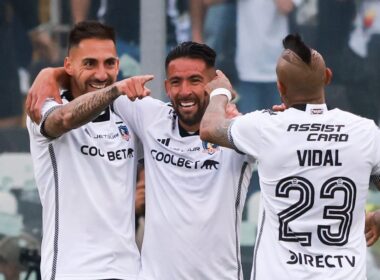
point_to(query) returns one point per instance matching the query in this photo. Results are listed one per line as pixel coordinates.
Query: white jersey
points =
(195, 193)
(314, 167)
(86, 182)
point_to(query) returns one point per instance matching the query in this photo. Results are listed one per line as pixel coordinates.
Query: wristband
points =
(221, 91)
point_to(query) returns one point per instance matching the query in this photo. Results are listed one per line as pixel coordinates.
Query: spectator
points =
(261, 24)
(214, 22)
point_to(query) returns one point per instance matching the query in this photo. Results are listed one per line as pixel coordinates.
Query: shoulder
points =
(349, 117)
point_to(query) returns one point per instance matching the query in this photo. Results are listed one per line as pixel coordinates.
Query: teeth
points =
(98, 86)
(187, 104)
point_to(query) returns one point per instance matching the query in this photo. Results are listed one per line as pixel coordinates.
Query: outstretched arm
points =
(215, 122)
(86, 107)
(372, 227)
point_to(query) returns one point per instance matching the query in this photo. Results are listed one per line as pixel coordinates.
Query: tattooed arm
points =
(86, 107)
(217, 118)
(215, 124)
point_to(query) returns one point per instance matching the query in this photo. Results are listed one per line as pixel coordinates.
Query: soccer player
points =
(314, 166)
(195, 190)
(84, 158)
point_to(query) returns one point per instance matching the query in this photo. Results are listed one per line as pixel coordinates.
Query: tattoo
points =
(90, 107)
(217, 124)
(221, 133)
(80, 111)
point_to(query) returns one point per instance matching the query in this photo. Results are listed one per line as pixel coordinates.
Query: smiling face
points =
(92, 65)
(185, 86)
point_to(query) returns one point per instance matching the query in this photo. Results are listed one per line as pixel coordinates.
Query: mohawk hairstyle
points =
(294, 43)
(192, 50)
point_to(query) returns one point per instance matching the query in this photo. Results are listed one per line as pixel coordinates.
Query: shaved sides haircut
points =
(300, 68)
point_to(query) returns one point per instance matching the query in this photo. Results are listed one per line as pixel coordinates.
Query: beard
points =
(190, 118)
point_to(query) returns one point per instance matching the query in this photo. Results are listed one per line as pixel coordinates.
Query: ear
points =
(68, 66)
(328, 76)
(167, 88)
(117, 66)
(281, 88)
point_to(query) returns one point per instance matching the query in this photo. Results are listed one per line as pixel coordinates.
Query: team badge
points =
(210, 148)
(124, 132)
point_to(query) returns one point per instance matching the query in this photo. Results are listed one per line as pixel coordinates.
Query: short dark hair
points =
(192, 50)
(88, 30)
(294, 43)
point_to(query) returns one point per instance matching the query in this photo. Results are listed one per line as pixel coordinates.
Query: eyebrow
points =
(182, 78)
(91, 59)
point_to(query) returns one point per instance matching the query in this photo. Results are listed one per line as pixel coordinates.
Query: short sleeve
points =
(138, 114)
(376, 167)
(244, 134)
(38, 129)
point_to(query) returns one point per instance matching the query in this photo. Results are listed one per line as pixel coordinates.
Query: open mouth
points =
(187, 104)
(98, 85)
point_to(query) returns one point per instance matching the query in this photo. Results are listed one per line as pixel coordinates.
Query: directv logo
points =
(164, 141)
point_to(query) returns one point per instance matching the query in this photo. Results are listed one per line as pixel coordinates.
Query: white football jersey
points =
(195, 193)
(314, 166)
(86, 182)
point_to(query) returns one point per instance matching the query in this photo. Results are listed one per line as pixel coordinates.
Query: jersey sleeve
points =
(376, 154)
(137, 113)
(244, 134)
(37, 130)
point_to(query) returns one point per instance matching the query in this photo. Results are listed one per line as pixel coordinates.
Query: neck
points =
(320, 99)
(189, 128)
(74, 90)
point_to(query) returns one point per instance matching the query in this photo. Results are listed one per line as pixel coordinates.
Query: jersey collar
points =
(312, 109)
(185, 133)
(103, 117)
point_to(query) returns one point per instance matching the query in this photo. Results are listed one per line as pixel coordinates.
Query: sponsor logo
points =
(321, 261)
(179, 161)
(210, 164)
(317, 111)
(164, 141)
(110, 155)
(108, 136)
(269, 111)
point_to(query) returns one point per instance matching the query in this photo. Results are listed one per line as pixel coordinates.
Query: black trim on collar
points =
(184, 133)
(105, 116)
(302, 107)
(68, 95)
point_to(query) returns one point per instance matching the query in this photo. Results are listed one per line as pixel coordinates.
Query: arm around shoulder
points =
(214, 125)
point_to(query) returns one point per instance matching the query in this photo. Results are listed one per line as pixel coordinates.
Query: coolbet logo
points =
(110, 155)
(175, 160)
(209, 147)
(124, 132)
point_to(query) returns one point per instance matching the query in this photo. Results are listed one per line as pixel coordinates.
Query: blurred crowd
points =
(246, 35)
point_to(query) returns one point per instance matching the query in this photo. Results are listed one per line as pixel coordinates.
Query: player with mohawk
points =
(314, 166)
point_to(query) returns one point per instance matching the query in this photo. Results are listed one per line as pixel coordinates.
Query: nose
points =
(101, 73)
(186, 88)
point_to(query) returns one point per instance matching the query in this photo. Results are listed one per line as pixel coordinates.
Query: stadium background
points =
(33, 36)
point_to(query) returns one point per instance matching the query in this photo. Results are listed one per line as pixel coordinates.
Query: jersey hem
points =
(96, 276)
